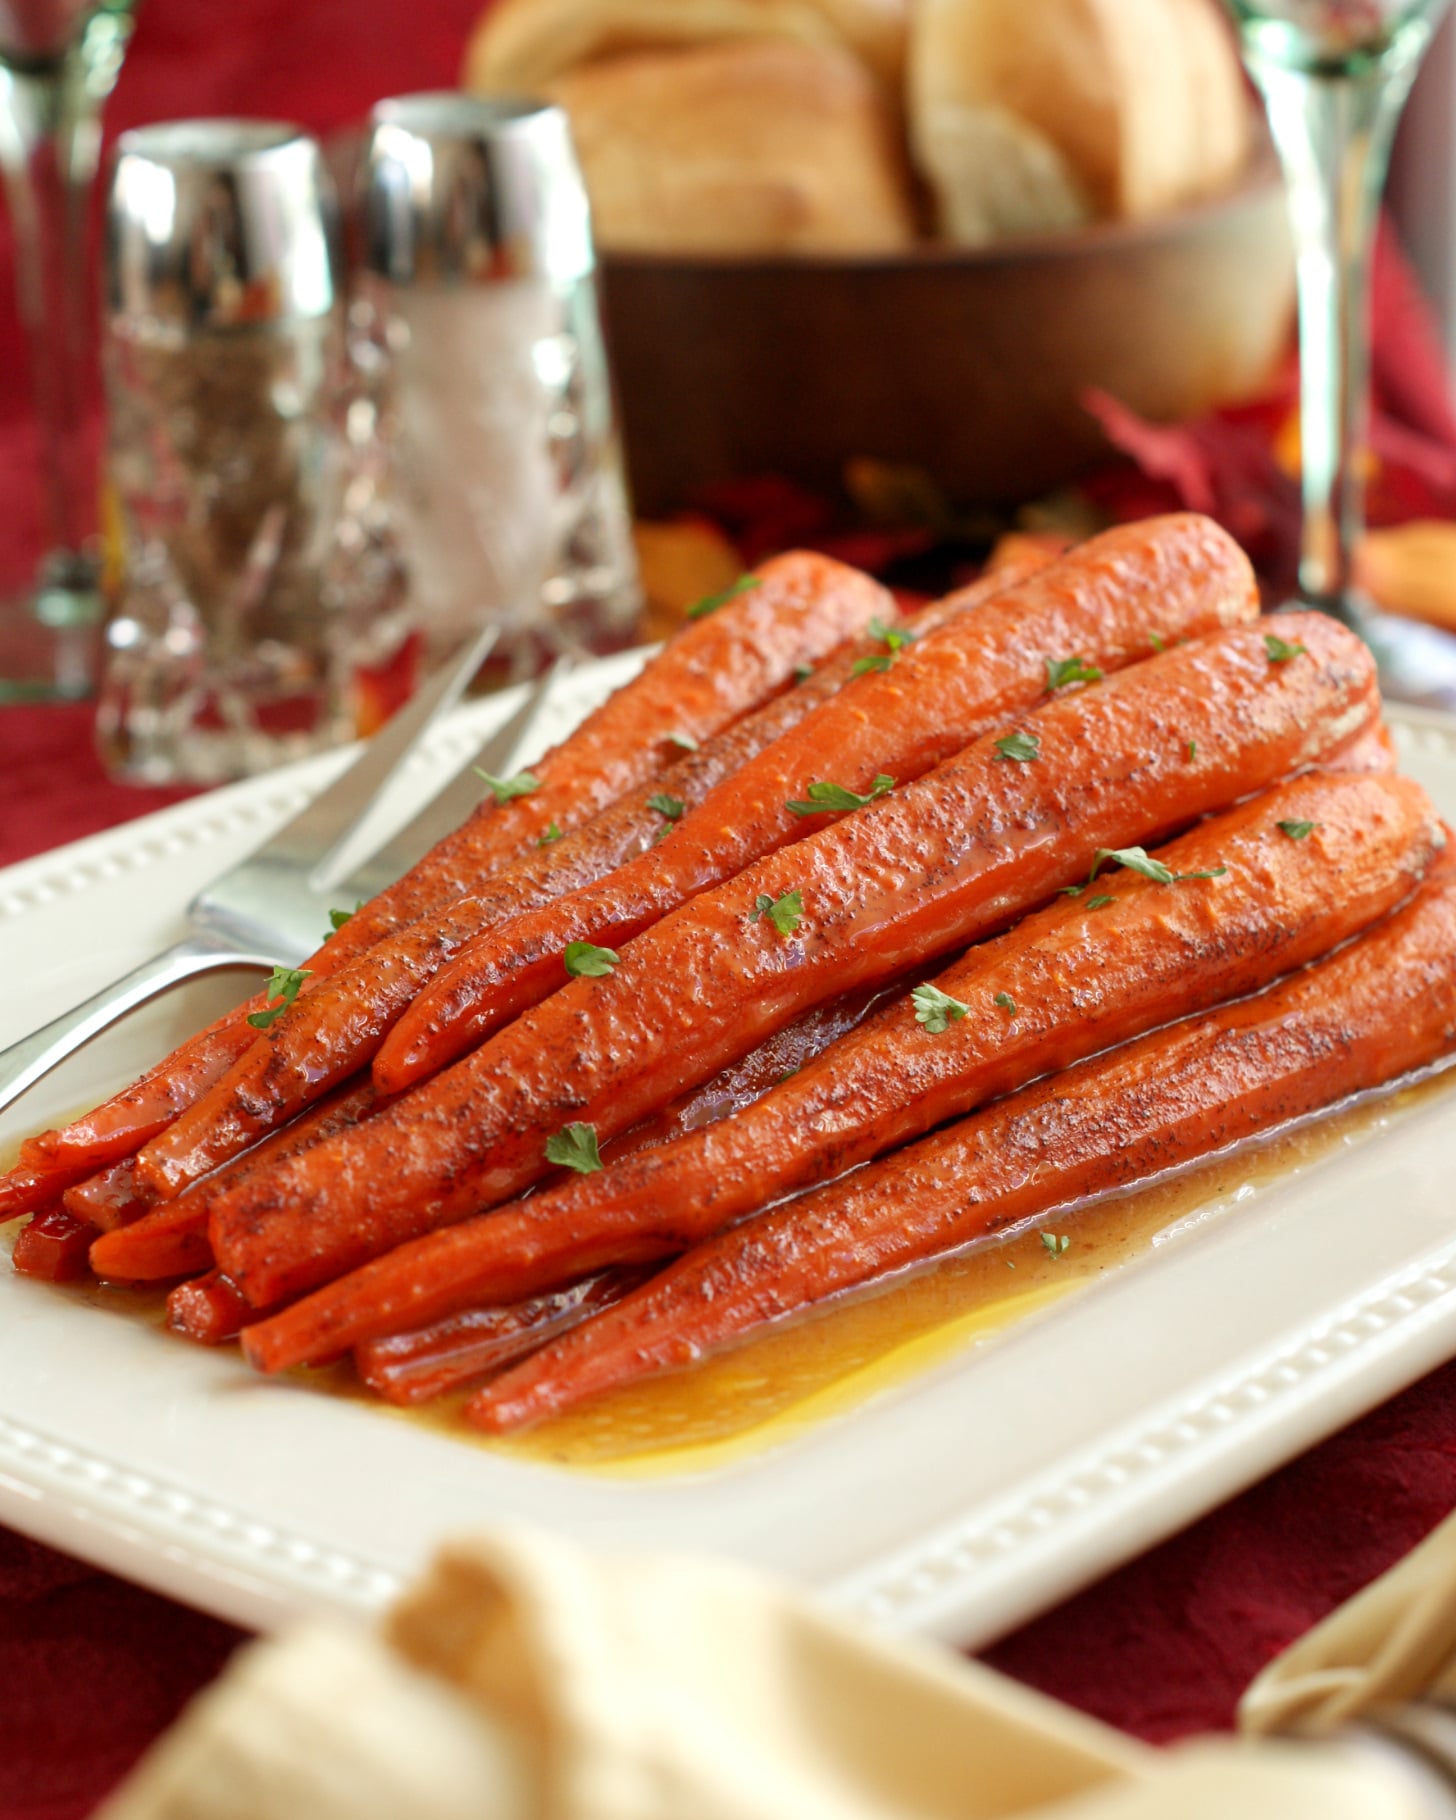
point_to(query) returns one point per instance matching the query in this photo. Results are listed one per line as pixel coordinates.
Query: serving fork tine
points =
(271, 909)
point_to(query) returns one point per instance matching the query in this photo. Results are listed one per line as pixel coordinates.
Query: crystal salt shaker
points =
(478, 293)
(225, 366)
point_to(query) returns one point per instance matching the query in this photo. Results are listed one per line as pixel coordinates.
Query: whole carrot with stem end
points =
(719, 666)
(1102, 607)
(1183, 573)
(337, 1028)
(1077, 977)
(1381, 1007)
(916, 705)
(171, 1240)
(918, 874)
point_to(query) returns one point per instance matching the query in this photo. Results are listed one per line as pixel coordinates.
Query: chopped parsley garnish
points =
(785, 913)
(683, 741)
(1063, 671)
(710, 603)
(507, 789)
(1023, 747)
(284, 984)
(553, 832)
(584, 960)
(1157, 641)
(1136, 860)
(1192, 750)
(824, 797)
(1005, 1002)
(575, 1147)
(802, 672)
(671, 809)
(936, 1009)
(1279, 651)
(337, 918)
(1055, 1243)
(1297, 830)
(893, 638)
(1097, 903)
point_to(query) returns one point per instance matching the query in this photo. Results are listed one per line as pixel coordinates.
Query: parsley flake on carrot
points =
(575, 1147)
(825, 797)
(1279, 651)
(284, 985)
(785, 913)
(935, 1009)
(1062, 672)
(584, 960)
(507, 789)
(710, 603)
(1023, 747)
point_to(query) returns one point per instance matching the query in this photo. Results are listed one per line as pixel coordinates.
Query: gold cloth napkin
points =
(524, 1679)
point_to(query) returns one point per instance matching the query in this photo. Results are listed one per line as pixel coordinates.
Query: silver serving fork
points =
(271, 909)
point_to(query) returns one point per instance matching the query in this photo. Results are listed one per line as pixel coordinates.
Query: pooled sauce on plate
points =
(789, 1378)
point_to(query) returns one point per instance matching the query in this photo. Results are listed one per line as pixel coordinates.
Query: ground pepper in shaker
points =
(505, 488)
(228, 646)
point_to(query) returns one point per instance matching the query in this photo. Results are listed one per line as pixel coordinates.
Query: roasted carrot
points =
(712, 671)
(207, 1310)
(336, 1029)
(109, 1199)
(1127, 953)
(1384, 1005)
(171, 1240)
(413, 1368)
(1166, 580)
(53, 1247)
(915, 875)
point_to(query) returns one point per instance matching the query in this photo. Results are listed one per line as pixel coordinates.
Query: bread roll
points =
(1029, 115)
(745, 147)
(519, 44)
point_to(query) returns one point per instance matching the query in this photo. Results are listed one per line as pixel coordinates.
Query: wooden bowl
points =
(969, 363)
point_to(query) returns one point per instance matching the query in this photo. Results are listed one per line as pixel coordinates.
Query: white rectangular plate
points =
(957, 1504)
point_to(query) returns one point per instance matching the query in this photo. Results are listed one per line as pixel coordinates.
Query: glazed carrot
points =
(53, 1247)
(336, 1029)
(207, 1310)
(1167, 579)
(1382, 1006)
(919, 873)
(1076, 977)
(110, 1199)
(413, 1368)
(171, 1240)
(709, 673)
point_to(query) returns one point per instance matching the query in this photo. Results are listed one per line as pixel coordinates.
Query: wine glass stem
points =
(1333, 133)
(36, 134)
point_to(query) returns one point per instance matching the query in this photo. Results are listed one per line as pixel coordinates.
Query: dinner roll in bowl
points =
(1026, 118)
(520, 44)
(749, 147)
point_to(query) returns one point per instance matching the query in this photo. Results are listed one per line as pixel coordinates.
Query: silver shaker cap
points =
(220, 224)
(460, 190)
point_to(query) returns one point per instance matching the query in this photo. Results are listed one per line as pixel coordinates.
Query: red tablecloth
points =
(91, 1669)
